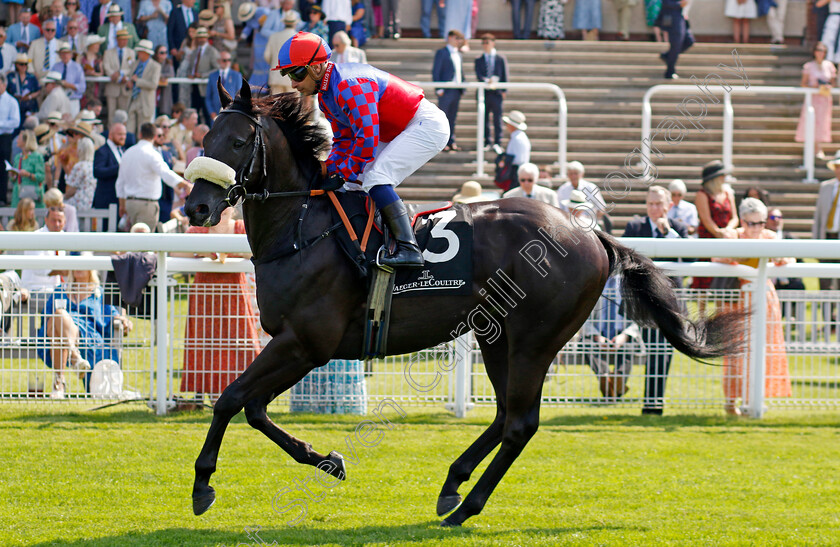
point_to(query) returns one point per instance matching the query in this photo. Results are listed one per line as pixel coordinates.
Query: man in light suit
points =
(231, 80)
(528, 174)
(659, 352)
(117, 65)
(201, 62)
(826, 222)
(344, 52)
(23, 33)
(492, 68)
(277, 82)
(447, 67)
(145, 75)
(8, 52)
(74, 38)
(115, 24)
(43, 52)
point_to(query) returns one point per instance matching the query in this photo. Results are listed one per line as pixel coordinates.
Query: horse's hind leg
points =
(301, 451)
(522, 419)
(496, 365)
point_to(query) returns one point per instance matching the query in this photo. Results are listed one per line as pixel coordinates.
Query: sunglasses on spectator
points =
(754, 224)
(49, 30)
(224, 60)
(776, 217)
(71, 4)
(526, 180)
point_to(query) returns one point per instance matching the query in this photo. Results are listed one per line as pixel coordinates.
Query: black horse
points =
(312, 300)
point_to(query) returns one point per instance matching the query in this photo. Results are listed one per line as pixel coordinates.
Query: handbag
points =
(505, 171)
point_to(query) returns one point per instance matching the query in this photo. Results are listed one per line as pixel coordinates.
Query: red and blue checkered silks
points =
(364, 105)
(302, 49)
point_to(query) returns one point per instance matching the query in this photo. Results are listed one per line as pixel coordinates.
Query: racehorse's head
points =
(256, 146)
(231, 159)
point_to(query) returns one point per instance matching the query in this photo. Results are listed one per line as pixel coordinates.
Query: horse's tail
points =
(650, 300)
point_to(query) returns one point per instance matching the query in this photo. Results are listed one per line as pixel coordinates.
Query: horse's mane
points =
(305, 137)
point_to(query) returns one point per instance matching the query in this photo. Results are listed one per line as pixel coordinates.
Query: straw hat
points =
(21, 58)
(94, 39)
(123, 33)
(714, 169)
(89, 118)
(247, 11)
(42, 133)
(577, 200)
(51, 77)
(516, 119)
(207, 17)
(146, 46)
(291, 17)
(54, 117)
(470, 193)
(82, 128)
(64, 46)
(115, 9)
(201, 32)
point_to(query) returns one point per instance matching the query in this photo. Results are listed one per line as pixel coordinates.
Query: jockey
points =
(383, 130)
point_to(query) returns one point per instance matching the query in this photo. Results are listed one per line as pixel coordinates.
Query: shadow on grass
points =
(306, 535)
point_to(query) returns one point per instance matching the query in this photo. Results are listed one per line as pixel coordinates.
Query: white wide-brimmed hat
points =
(146, 46)
(516, 119)
(577, 200)
(470, 193)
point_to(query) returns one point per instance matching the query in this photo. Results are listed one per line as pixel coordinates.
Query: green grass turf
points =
(122, 476)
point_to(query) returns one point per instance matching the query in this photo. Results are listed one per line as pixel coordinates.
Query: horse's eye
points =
(238, 143)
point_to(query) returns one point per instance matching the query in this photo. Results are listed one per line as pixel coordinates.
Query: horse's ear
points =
(245, 91)
(224, 96)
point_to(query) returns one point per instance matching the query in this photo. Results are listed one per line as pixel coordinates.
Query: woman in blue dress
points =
(77, 328)
(23, 86)
(155, 14)
(587, 18)
(357, 29)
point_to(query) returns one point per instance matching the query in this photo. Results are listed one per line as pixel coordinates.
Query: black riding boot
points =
(408, 254)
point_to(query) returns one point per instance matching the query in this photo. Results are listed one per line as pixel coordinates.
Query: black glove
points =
(333, 181)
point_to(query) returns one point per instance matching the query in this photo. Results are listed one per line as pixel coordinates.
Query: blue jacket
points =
(443, 69)
(14, 34)
(105, 170)
(232, 84)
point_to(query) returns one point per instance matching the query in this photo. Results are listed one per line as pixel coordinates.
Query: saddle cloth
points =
(444, 233)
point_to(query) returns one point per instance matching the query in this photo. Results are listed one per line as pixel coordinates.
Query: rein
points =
(248, 172)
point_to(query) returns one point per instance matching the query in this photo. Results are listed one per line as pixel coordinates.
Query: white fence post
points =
(758, 343)
(810, 138)
(479, 134)
(463, 369)
(728, 130)
(162, 335)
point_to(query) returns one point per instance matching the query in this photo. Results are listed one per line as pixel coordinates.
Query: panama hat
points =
(201, 32)
(89, 117)
(146, 46)
(577, 200)
(82, 128)
(714, 169)
(115, 9)
(64, 46)
(123, 33)
(207, 17)
(470, 193)
(247, 11)
(93, 39)
(54, 117)
(21, 58)
(51, 77)
(834, 161)
(516, 119)
(290, 18)
(42, 133)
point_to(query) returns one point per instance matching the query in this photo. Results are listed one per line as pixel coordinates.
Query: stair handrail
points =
(729, 116)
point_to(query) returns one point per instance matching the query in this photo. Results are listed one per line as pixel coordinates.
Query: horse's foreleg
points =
(301, 451)
(277, 368)
(496, 365)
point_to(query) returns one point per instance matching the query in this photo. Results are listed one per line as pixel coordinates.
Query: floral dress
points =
(157, 26)
(552, 17)
(82, 179)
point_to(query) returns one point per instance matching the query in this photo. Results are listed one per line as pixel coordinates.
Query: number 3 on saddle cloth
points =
(444, 233)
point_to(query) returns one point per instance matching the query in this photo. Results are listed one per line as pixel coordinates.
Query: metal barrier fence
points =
(153, 355)
(90, 220)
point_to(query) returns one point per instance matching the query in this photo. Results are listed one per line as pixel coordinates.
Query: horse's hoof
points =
(338, 471)
(446, 504)
(203, 501)
(447, 524)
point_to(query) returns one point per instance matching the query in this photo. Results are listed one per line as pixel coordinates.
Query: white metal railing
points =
(562, 112)
(163, 244)
(176, 80)
(729, 116)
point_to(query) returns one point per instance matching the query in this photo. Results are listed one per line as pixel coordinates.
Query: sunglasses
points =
(776, 217)
(754, 224)
(49, 30)
(296, 74)
(526, 180)
(224, 60)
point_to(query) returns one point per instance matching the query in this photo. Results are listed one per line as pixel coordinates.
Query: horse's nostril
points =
(202, 210)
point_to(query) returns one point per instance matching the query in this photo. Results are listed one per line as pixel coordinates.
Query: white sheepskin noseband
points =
(210, 170)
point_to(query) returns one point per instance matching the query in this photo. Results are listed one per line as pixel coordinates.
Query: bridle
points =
(254, 168)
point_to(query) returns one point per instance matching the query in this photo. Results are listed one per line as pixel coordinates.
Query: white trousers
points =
(424, 136)
(776, 21)
(829, 37)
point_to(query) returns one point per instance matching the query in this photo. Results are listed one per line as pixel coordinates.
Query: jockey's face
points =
(309, 85)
